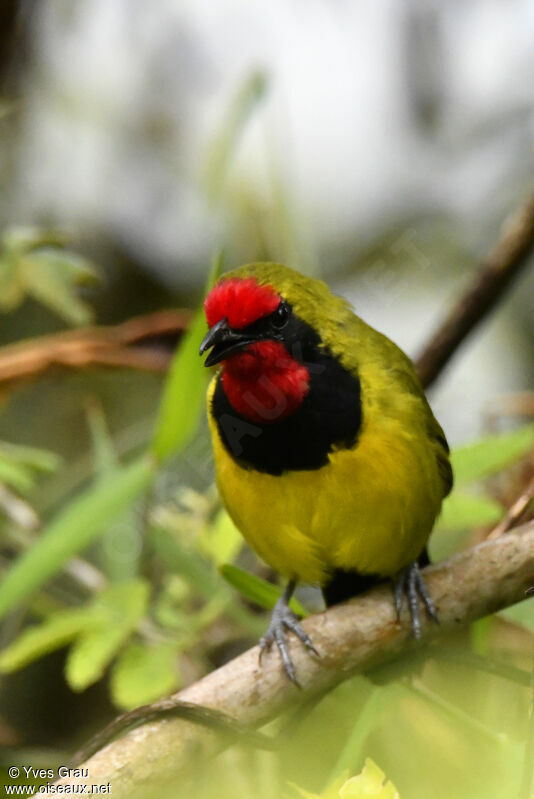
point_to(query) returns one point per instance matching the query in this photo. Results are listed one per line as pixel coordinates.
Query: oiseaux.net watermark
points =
(80, 785)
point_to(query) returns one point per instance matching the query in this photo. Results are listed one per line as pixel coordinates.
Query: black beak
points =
(224, 342)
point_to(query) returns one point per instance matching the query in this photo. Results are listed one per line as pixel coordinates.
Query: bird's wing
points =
(406, 376)
(437, 436)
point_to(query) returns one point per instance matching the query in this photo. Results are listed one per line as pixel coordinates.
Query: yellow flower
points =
(367, 785)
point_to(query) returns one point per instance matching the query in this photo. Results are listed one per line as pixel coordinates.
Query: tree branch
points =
(514, 514)
(496, 274)
(143, 342)
(354, 636)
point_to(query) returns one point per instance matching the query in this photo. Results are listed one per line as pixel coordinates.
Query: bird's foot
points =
(282, 619)
(409, 582)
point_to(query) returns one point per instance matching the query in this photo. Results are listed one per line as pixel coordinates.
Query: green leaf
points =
(41, 460)
(120, 548)
(18, 464)
(170, 609)
(52, 276)
(11, 288)
(121, 608)
(75, 527)
(98, 630)
(144, 674)
(57, 631)
(104, 455)
(257, 590)
(25, 238)
(221, 540)
(15, 475)
(32, 261)
(490, 454)
(91, 653)
(183, 394)
(463, 511)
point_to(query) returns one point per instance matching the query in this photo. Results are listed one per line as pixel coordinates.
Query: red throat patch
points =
(242, 302)
(264, 383)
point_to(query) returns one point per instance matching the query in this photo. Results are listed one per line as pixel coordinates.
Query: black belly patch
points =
(343, 585)
(329, 417)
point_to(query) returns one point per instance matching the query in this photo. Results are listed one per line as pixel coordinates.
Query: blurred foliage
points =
(147, 587)
(20, 466)
(34, 262)
(463, 511)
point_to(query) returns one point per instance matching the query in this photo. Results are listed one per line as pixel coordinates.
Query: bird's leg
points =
(409, 582)
(282, 619)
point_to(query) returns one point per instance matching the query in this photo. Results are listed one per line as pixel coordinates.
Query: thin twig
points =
(170, 707)
(514, 514)
(497, 271)
(351, 637)
(144, 342)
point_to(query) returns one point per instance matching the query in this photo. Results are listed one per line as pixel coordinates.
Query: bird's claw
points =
(409, 582)
(283, 619)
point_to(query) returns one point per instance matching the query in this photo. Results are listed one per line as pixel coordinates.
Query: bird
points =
(328, 457)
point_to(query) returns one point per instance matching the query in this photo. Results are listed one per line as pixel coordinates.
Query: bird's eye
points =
(280, 317)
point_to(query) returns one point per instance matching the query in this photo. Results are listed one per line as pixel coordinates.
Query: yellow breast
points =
(370, 508)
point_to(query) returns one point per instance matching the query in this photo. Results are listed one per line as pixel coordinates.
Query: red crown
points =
(242, 302)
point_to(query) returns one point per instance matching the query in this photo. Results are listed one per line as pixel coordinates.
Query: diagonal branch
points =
(502, 265)
(515, 513)
(354, 636)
